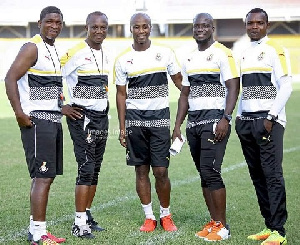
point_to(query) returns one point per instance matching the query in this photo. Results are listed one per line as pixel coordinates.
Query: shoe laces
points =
(148, 221)
(217, 226)
(208, 225)
(274, 236)
(264, 231)
(92, 221)
(168, 220)
(47, 240)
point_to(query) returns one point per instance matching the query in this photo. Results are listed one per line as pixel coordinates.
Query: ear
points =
(86, 28)
(39, 24)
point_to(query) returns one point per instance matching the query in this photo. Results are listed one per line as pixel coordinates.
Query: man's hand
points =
(24, 120)
(71, 112)
(221, 129)
(176, 133)
(122, 138)
(268, 125)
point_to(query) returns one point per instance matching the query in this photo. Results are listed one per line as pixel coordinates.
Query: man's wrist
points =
(271, 118)
(228, 117)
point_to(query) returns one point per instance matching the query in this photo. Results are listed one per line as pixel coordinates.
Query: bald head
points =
(137, 16)
(204, 16)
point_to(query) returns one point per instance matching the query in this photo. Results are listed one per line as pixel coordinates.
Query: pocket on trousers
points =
(260, 133)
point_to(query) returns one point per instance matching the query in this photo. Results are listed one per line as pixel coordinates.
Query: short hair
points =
(146, 16)
(94, 13)
(258, 10)
(206, 14)
(50, 10)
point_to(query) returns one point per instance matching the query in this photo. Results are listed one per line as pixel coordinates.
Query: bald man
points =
(144, 117)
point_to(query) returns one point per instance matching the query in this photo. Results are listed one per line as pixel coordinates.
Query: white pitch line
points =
(130, 196)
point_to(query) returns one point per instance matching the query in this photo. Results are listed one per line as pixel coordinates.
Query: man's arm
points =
(121, 107)
(177, 79)
(181, 111)
(25, 59)
(233, 88)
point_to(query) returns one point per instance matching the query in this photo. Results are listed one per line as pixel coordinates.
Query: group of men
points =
(209, 80)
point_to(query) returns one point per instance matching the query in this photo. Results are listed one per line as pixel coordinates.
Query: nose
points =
(55, 25)
(141, 30)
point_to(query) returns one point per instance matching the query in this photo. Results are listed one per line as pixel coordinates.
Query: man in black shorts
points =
(143, 69)
(85, 67)
(34, 88)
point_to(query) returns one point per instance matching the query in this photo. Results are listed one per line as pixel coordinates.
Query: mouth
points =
(53, 32)
(201, 35)
(254, 33)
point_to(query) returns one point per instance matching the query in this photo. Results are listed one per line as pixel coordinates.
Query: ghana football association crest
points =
(127, 156)
(89, 139)
(158, 57)
(261, 56)
(43, 168)
(209, 58)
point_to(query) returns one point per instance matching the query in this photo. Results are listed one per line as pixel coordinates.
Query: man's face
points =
(256, 26)
(140, 29)
(97, 28)
(51, 26)
(202, 29)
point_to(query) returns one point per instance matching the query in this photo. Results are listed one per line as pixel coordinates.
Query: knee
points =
(211, 179)
(160, 173)
(85, 176)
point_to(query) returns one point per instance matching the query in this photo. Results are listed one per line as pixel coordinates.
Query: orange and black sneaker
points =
(262, 235)
(205, 230)
(218, 233)
(167, 223)
(149, 225)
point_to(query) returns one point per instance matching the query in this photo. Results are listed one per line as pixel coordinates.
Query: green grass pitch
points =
(116, 205)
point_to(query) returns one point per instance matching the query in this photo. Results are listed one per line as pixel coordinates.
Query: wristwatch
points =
(227, 117)
(271, 118)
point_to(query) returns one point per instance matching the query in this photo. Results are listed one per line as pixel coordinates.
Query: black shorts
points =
(89, 136)
(148, 146)
(43, 146)
(207, 154)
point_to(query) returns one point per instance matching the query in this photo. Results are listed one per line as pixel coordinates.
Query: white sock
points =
(31, 226)
(39, 229)
(164, 211)
(80, 218)
(148, 211)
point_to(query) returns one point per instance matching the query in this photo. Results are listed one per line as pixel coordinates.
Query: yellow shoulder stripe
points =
(281, 54)
(36, 39)
(121, 54)
(231, 60)
(69, 54)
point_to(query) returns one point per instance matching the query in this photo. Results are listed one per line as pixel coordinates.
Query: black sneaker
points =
(92, 223)
(83, 231)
